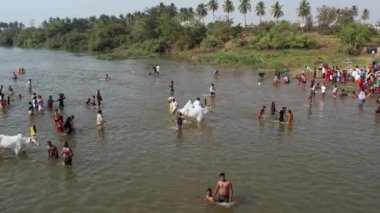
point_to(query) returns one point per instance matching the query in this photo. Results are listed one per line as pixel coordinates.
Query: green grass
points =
(268, 59)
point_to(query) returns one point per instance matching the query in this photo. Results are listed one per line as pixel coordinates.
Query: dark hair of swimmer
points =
(100, 111)
(66, 144)
(72, 117)
(222, 175)
(209, 190)
(49, 143)
(198, 99)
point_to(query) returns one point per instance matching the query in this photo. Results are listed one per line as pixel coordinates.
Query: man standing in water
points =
(282, 114)
(223, 191)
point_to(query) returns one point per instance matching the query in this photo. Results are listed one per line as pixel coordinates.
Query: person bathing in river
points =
(335, 91)
(30, 108)
(29, 84)
(67, 154)
(88, 102)
(99, 119)
(273, 109)
(180, 118)
(208, 197)
(52, 151)
(59, 123)
(290, 117)
(212, 90)
(99, 98)
(282, 115)
(323, 90)
(224, 190)
(61, 101)
(14, 76)
(93, 102)
(68, 127)
(10, 90)
(171, 88)
(261, 113)
(107, 77)
(50, 102)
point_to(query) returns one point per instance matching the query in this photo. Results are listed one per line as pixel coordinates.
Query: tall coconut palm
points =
(365, 15)
(213, 5)
(202, 11)
(245, 7)
(277, 10)
(304, 10)
(355, 10)
(260, 9)
(228, 8)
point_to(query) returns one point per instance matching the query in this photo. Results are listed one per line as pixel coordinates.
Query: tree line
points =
(164, 28)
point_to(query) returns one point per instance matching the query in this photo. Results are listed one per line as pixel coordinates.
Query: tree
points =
(355, 10)
(228, 8)
(202, 11)
(326, 18)
(365, 15)
(303, 10)
(213, 6)
(260, 9)
(277, 10)
(352, 36)
(245, 7)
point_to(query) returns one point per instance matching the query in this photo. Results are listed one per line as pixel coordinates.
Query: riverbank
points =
(233, 54)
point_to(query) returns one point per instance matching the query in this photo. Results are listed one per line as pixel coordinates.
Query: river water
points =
(328, 161)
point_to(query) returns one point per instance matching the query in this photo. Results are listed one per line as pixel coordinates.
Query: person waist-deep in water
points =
(224, 190)
(67, 154)
(52, 150)
(69, 125)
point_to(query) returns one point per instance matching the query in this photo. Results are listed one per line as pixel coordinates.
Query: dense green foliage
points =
(353, 36)
(283, 35)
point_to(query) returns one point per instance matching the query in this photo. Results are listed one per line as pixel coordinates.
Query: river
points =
(328, 161)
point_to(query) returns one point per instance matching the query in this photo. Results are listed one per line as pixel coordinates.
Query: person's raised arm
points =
(216, 190)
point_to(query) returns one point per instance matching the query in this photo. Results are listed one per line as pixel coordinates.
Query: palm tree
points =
(365, 15)
(213, 6)
(260, 9)
(277, 10)
(304, 10)
(355, 10)
(245, 7)
(228, 7)
(202, 11)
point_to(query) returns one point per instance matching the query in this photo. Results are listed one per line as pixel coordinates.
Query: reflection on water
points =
(327, 160)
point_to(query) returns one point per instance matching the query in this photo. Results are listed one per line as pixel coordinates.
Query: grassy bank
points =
(234, 55)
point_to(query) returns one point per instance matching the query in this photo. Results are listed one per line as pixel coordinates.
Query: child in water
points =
(209, 198)
(179, 119)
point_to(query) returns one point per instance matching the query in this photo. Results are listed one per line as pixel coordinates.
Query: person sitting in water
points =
(209, 198)
(93, 102)
(286, 79)
(282, 114)
(224, 191)
(107, 77)
(68, 127)
(88, 102)
(19, 96)
(212, 90)
(50, 102)
(157, 70)
(52, 150)
(261, 112)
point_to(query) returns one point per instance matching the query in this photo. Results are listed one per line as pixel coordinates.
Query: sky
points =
(36, 11)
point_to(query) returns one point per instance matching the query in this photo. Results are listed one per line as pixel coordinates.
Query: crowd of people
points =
(36, 107)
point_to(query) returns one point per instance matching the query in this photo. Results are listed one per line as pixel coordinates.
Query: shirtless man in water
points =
(224, 191)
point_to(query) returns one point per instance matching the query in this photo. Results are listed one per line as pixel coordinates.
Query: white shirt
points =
(323, 89)
(158, 68)
(99, 119)
(361, 95)
(212, 89)
(197, 103)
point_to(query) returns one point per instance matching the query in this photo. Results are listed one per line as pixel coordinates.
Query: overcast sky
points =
(40, 10)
